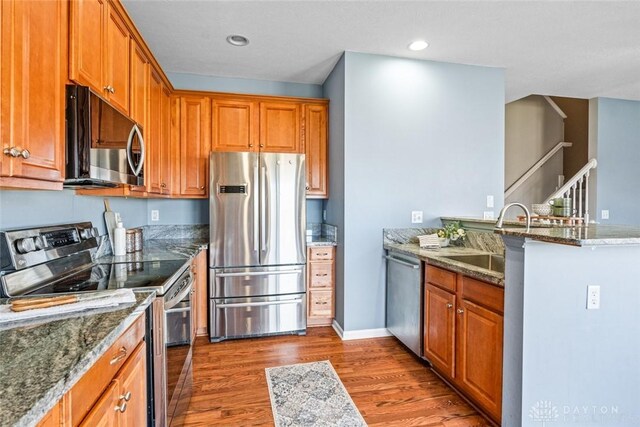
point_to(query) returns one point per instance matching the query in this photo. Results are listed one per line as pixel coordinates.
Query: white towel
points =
(121, 296)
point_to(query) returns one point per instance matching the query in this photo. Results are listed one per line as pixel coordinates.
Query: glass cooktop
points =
(146, 274)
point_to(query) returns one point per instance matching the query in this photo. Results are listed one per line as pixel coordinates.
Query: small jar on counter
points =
(138, 239)
(130, 241)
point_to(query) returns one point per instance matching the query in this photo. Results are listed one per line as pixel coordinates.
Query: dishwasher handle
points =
(405, 263)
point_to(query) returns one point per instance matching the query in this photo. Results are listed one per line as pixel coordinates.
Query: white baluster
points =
(586, 198)
(580, 197)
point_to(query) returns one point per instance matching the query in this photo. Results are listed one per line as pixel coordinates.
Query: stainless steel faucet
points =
(503, 211)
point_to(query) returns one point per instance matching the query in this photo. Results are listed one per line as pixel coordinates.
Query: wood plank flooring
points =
(388, 384)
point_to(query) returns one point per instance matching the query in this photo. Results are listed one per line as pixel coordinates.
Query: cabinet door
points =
(166, 152)
(104, 413)
(320, 303)
(439, 329)
(234, 126)
(34, 73)
(139, 85)
(86, 42)
(153, 169)
(479, 355)
(133, 389)
(315, 142)
(194, 145)
(280, 127)
(116, 60)
(202, 291)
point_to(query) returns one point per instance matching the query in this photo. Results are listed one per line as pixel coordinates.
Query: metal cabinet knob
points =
(460, 311)
(13, 152)
(25, 154)
(449, 305)
(250, 145)
(202, 187)
(261, 145)
(126, 396)
(110, 89)
(122, 407)
(163, 185)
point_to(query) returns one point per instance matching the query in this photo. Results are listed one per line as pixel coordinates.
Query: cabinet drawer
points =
(440, 277)
(484, 294)
(90, 387)
(320, 303)
(321, 253)
(320, 274)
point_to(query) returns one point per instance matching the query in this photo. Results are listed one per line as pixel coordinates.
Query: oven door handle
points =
(260, 273)
(168, 305)
(178, 310)
(259, 304)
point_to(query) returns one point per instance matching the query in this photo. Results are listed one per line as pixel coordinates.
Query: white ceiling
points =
(566, 48)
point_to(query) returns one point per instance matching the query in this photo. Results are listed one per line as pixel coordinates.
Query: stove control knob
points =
(40, 242)
(88, 233)
(25, 245)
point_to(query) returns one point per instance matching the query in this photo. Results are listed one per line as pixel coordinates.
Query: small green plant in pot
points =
(451, 232)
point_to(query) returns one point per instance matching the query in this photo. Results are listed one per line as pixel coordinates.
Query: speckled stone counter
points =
(591, 235)
(161, 250)
(39, 363)
(436, 257)
(320, 241)
(322, 234)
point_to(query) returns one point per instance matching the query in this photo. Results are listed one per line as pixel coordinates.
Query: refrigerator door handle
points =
(256, 212)
(263, 216)
(260, 273)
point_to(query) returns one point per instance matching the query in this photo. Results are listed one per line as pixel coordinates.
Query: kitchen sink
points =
(488, 261)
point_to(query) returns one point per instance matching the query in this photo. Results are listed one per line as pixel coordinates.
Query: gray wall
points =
(532, 128)
(418, 135)
(616, 146)
(573, 357)
(233, 85)
(334, 89)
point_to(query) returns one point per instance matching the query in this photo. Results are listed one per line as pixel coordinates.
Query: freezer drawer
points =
(246, 317)
(257, 281)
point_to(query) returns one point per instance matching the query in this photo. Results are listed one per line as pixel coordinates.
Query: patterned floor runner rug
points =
(310, 394)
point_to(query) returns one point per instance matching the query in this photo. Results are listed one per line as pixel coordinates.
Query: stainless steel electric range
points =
(57, 260)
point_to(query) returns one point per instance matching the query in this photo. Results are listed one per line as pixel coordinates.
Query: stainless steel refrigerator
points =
(257, 251)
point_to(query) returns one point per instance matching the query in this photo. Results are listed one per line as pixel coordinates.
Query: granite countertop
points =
(591, 235)
(160, 250)
(40, 362)
(321, 241)
(436, 257)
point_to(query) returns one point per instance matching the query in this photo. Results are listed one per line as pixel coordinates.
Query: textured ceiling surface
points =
(579, 49)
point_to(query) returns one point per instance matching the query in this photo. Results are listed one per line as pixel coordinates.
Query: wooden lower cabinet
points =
(463, 335)
(114, 390)
(201, 268)
(320, 285)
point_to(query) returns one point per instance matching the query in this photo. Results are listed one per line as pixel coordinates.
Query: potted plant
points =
(451, 232)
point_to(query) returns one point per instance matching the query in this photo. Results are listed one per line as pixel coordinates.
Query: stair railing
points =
(578, 189)
(513, 187)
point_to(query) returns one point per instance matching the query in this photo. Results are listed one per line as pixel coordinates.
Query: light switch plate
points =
(489, 201)
(416, 217)
(155, 215)
(604, 214)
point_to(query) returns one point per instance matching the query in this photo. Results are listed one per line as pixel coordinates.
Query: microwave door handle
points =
(135, 130)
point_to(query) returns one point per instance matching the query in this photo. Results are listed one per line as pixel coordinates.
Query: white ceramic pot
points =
(443, 242)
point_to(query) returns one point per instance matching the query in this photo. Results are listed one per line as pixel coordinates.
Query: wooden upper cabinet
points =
(33, 74)
(166, 146)
(280, 130)
(139, 85)
(153, 169)
(100, 50)
(116, 61)
(234, 125)
(315, 130)
(439, 328)
(479, 355)
(195, 144)
(86, 32)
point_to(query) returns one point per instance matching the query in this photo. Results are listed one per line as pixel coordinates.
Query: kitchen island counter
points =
(40, 362)
(591, 235)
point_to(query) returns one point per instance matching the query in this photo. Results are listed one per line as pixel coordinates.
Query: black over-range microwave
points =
(105, 148)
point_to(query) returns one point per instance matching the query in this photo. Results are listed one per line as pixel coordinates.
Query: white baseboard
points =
(360, 334)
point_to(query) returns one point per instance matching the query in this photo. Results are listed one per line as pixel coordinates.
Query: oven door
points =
(178, 340)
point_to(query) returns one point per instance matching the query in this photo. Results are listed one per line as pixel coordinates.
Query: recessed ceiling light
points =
(237, 40)
(418, 45)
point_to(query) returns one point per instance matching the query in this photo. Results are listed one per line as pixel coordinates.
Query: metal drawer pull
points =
(259, 304)
(122, 407)
(460, 311)
(259, 273)
(321, 275)
(126, 396)
(122, 354)
(408, 264)
(449, 305)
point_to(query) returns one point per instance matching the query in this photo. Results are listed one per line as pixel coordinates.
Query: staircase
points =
(578, 189)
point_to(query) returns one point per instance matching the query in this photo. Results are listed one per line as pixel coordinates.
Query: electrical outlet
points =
(604, 214)
(593, 297)
(487, 215)
(416, 217)
(489, 201)
(155, 215)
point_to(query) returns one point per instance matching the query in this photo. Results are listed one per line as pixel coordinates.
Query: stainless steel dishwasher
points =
(404, 299)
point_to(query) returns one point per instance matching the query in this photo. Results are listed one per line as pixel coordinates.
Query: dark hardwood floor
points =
(389, 385)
